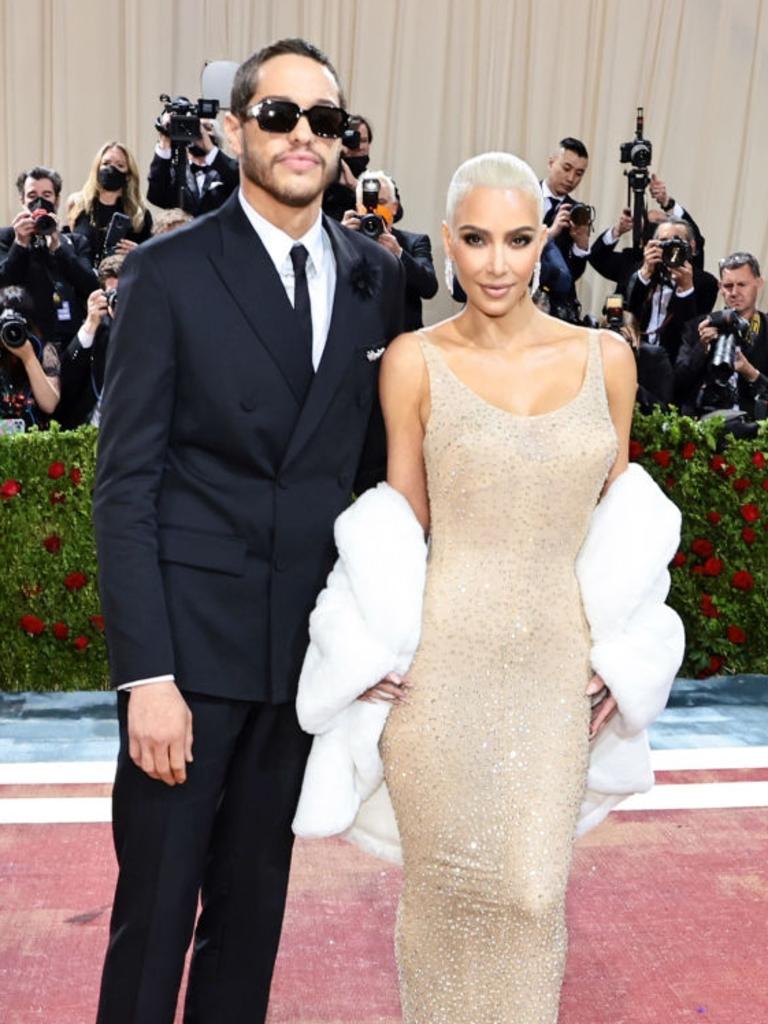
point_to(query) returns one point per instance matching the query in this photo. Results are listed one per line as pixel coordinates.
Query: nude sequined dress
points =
(486, 765)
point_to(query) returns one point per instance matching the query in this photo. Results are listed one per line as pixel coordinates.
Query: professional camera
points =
(13, 328)
(637, 153)
(111, 297)
(371, 224)
(183, 125)
(43, 215)
(675, 252)
(731, 329)
(351, 138)
(582, 214)
(613, 311)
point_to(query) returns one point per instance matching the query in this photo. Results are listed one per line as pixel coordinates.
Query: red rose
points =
(729, 470)
(670, 482)
(10, 489)
(736, 635)
(60, 630)
(688, 450)
(712, 567)
(75, 581)
(31, 625)
(635, 449)
(742, 580)
(662, 457)
(52, 543)
(715, 662)
(708, 608)
(714, 517)
(97, 621)
(56, 470)
(80, 643)
(678, 560)
(702, 547)
(758, 459)
(697, 570)
(748, 535)
(57, 498)
(716, 463)
(750, 513)
(742, 484)
(75, 475)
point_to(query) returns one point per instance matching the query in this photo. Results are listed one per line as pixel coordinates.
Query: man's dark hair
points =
(683, 226)
(355, 120)
(739, 259)
(246, 77)
(39, 174)
(574, 146)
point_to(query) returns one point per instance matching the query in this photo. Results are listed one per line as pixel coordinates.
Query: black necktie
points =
(552, 211)
(302, 308)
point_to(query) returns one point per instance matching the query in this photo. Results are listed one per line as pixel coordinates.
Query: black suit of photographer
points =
(641, 298)
(82, 378)
(206, 187)
(58, 282)
(693, 359)
(576, 264)
(420, 276)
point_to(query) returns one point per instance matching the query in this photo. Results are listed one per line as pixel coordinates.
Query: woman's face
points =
(114, 157)
(495, 241)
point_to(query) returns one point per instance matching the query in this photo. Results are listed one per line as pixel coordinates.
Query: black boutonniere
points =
(364, 278)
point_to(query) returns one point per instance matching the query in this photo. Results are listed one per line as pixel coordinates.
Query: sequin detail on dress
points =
(486, 764)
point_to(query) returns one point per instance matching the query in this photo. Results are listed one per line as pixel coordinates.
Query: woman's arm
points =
(404, 392)
(620, 372)
(45, 386)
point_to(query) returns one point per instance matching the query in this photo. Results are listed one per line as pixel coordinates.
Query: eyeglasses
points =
(283, 116)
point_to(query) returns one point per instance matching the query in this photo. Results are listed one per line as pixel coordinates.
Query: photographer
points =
(52, 266)
(83, 361)
(743, 383)
(667, 290)
(378, 206)
(655, 377)
(29, 368)
(211, 176)
(619, 266)
(110, 210)
(355, 155)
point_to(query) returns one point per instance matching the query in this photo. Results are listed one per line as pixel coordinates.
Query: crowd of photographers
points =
(59, 272)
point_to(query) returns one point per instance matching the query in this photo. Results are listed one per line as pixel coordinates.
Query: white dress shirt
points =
(321, 283)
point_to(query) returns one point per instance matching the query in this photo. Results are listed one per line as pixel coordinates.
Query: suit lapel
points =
(249, 275)
(339, 346)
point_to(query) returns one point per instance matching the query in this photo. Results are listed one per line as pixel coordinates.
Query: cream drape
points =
(439, 79)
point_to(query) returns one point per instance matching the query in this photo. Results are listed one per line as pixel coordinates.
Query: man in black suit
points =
(740, 284)
(565, 256)
(239, 415)
(413, 250)
(53, 266)
(664, 298)
(211, 176)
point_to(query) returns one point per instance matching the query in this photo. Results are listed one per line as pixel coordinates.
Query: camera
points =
(675, 252)
(13, 328)
(111, 297)
(371, 225)
(42, 213)
(581, 215)
(613, 310)
(351, 138)
(638, 152)
(731, 328)
(184, 122)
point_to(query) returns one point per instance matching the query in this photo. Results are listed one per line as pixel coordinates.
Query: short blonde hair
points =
(492, 170)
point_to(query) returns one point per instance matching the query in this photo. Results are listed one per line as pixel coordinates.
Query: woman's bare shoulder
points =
(618, 357)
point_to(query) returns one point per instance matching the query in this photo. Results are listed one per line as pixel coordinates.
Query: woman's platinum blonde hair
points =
(492, 170)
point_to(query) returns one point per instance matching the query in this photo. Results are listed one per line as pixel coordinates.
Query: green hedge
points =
(51, 632)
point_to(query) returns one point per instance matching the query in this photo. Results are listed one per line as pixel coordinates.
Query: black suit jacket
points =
(564, 242)
(216, 488)
(420, 277)
(82, 379)
(640, 299)
(691, 367)
(67, 274)
(221, 179)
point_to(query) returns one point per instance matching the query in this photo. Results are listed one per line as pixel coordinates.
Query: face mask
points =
(41, 204)
(356, 164)
(111, 179)
(196, 150)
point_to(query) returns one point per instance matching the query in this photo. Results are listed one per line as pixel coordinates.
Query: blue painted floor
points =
(726, 711)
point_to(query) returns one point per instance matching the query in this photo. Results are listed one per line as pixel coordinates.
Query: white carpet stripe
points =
(703, 758)
(56, 810)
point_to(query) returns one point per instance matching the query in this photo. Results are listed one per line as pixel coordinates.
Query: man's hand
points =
(651, 258)
(683, 277)
(580, 236)
(743, 367)
(97, 308)
(160, 731)
(23, 228)
(623, 224)
(346, 177)
(707, 333)
(351, 220)
(389, 242)
(658, 190)
(562, 221)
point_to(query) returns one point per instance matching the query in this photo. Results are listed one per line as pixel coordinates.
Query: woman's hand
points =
(392, 688)
(124, 246)
(604, 705)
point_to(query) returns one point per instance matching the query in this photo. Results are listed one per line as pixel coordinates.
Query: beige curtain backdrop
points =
(440, 80)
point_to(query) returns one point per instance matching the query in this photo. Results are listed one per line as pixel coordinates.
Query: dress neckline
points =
(508, 412)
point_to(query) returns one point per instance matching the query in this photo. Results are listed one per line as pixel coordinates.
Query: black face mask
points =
(111, 178)
(356, 164)
(41, 204)
(196, 150)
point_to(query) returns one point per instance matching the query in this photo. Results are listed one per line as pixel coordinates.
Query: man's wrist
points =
(146, 682)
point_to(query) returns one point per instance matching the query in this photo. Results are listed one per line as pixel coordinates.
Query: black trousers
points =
(223, 837)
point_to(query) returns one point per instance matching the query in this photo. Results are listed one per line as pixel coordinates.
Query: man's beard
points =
(262, 175)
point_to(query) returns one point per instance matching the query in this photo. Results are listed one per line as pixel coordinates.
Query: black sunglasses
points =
(283, 116)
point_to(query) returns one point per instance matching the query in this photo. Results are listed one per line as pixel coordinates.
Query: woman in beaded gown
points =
(504, 428)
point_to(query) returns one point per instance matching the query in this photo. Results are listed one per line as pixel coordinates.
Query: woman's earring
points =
(449, 274)
(536, 277)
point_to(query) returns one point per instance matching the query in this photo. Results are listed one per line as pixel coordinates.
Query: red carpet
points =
(668, 917)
